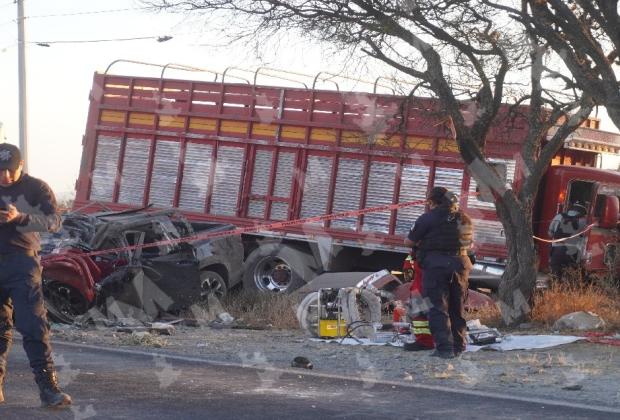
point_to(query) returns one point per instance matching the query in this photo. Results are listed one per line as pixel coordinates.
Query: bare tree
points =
(586, 36)
(467, 55)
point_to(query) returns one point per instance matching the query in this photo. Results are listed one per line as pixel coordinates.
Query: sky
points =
(59, 77)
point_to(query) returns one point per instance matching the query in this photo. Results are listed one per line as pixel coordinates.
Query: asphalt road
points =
(113, 385)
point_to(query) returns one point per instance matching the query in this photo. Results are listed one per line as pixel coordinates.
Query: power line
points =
(163, 38)
(92, 12)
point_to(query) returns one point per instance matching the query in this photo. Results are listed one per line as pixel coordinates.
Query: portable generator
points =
(330, 322)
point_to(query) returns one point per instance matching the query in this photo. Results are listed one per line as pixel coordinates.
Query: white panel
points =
(256, 208)
(262, 170)
(196, 174)
(106, 167)
(135, 166)
(164, 176)
(284, 174)
(348, 191)
(449, 178)
(316, 186)
(227, 183)
(279, 210)
(380, 192)
(413, 187)
(473, 202)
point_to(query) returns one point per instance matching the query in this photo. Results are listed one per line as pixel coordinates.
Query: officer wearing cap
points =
(444, 236)
(27, 207)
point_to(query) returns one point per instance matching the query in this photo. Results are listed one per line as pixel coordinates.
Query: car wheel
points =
(64, 303)
(277, 268)
(212, 283)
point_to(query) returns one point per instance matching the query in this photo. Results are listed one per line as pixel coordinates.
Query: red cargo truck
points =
(247, 154)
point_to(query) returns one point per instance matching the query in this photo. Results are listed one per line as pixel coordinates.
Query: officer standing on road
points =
(444, 236)
(27, 207)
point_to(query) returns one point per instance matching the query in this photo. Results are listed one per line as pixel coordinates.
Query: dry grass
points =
(488, 315)
(572, 295)
(563, 298)
(148, 340)
(278, 310)
(263, 309)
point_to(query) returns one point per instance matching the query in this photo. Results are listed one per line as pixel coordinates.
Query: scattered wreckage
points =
(146, 282)
(351, 305)
(141, 283)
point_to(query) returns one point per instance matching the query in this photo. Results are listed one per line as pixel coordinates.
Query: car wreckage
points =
(134, 279)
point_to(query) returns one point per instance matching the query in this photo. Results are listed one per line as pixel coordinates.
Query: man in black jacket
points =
(444, 236)
(27, 207)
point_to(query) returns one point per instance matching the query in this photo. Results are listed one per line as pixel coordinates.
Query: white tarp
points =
(527, 342)
(509, 342)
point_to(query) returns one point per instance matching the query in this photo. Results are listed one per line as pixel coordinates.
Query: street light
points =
(21, 69)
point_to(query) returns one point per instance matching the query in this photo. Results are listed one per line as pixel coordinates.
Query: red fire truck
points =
(247, 154)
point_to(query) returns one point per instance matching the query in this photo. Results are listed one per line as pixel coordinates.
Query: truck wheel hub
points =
(272, 274)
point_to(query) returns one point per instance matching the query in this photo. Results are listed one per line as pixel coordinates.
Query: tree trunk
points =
(519, 278)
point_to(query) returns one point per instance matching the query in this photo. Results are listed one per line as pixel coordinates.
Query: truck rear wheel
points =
(277, 268)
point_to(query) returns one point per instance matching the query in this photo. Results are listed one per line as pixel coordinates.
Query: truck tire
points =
(277, 268)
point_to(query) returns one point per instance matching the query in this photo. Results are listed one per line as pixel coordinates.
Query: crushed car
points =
(143, 282)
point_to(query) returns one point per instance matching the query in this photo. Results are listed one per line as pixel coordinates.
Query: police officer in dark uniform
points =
(27, 206)
(565, 229)
(444, 236)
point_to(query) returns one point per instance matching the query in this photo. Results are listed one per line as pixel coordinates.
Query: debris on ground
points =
(159, 328)
(603, 338)
(301, 362)
(480, 334)
(581, 321)
(216, 312)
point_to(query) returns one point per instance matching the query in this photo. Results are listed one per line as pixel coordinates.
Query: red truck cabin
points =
(596, 189)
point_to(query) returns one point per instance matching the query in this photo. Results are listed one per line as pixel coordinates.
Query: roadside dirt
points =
(579, 372)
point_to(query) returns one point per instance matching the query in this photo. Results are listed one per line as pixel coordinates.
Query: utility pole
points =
(21, 68)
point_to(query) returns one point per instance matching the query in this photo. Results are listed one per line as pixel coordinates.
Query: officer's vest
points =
(568, 226)
(450, 236)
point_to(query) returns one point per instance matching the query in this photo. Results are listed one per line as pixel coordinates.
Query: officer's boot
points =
(50, 393)
(4, 347)
(2, 376)
(1, 385)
